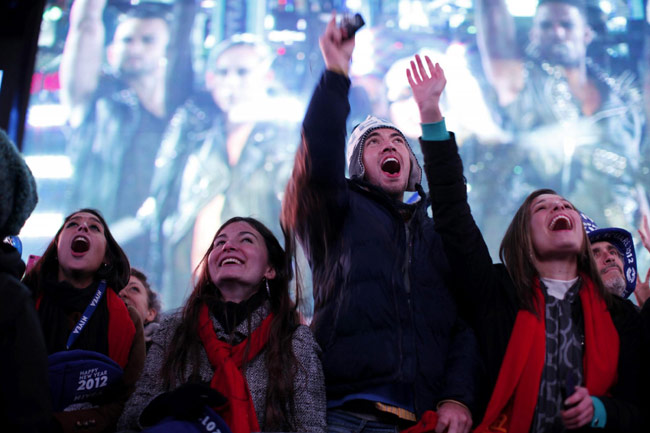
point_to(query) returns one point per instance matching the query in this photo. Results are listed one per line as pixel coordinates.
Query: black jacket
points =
(383, 314)
(490, 302)
(25, 392)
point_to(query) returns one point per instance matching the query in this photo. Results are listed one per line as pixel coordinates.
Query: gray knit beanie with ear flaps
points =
(355, 150)
(18, 195)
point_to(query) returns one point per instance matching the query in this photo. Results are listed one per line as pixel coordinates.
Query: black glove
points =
(185, 402)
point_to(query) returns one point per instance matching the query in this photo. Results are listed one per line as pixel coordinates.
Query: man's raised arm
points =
(82, 57)
(497, 43)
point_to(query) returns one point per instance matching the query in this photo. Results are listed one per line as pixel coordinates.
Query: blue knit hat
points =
(78, 376)
(355, 150)
(622, 240)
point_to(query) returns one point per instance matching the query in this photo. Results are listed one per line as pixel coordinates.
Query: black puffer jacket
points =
(383, 315)
(25, 392)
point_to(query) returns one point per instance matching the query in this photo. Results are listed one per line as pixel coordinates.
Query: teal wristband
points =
(600, 414)
(436, 131)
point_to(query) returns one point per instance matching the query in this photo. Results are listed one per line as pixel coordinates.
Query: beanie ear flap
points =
(415, 176)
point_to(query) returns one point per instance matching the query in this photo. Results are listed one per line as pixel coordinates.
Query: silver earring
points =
(268, 289)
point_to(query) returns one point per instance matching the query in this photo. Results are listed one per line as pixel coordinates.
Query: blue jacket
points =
(383, 315)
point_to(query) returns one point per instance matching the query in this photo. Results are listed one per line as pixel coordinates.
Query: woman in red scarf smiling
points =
(95, 343)
(239, 332)
(560, 352)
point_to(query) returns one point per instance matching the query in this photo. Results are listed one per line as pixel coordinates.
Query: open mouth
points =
(560, 222)
(80, 245)
(391, 166)
(230, 261)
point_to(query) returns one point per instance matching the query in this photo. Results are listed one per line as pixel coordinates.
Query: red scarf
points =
(121, 330)
(228, 379)
(427, 423)
(512, 405)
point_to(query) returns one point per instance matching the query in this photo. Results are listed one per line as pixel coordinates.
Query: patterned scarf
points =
(514, 398)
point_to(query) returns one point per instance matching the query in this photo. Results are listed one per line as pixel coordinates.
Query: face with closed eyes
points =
(387, 162)
(555, 227)
(239, 256)
(135, 294)
(81, 246)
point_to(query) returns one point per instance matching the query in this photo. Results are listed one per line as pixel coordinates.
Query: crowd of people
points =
(414, 328)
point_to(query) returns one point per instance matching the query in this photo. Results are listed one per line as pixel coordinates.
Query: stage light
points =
(47, 115)
(269, 22)
(617, 24)
(53, 14)
(522, 8)
(606, 6)
(50, 166)
(42, 225)
(210, 41)
(456, 20)
(354, 5)
(286, 36)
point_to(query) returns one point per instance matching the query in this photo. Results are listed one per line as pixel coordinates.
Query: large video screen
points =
(172, 116)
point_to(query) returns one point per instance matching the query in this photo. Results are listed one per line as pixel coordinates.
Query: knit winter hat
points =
(18, 195)
(355, 150)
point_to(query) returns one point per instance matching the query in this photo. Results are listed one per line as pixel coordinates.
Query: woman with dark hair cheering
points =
(560, 352)
(240, 332)
(76, 284)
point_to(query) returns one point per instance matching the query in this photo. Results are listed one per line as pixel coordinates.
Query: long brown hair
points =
(185, 347)
(515, 253)
(305, 206)
(116, 272)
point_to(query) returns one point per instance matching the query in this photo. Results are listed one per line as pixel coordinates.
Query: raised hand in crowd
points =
(427, 84)
(642, 290)
(336, 47)
(427, 88)
(644, 232)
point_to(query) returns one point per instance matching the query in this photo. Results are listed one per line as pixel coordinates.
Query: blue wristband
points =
(600, 414)
(436, 131)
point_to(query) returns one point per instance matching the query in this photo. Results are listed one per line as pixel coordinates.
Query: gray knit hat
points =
(355, 150)
(18, 195)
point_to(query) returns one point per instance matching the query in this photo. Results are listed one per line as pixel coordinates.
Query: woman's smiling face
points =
(555, 227)
(238, 254)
